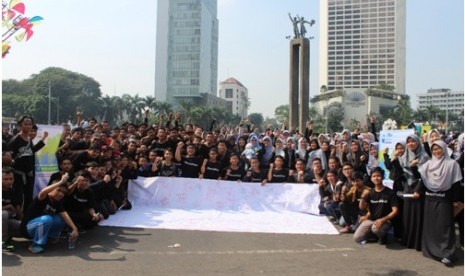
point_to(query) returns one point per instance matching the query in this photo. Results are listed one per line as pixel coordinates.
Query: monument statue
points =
(296, 21)
(302, 26)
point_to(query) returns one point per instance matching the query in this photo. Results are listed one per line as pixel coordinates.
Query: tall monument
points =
(299, 74)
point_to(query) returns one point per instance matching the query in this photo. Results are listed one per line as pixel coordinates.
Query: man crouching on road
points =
(382, 205)
(46, 217)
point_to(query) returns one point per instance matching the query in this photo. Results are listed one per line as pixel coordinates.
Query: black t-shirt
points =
(234, 175)
(166, 170)
(40, 208)
(310, 176)
(10, 197)
(204, 150)
(161, 147)
(80, 159)
(279, 176)
(190, 166)
(80, 201)
(23, 154)
(380, 203)
(212, 170)
(78, 145)
(255, 177)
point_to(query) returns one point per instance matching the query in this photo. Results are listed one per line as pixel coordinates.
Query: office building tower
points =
(362, 56)
(362, 44)
(186, 61)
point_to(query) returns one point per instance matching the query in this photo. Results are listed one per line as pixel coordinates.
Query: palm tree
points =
(186, 105)
(106, 104)
(421, 115)
(164, 107)
(402, 112)
(150, 102)
(433, 112)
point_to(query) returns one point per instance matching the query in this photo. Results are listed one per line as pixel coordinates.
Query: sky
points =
(114, 43)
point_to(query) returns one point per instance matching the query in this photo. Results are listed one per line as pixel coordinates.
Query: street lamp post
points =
(49, 100)
(58, 111)
(326, 116)
(447, 111)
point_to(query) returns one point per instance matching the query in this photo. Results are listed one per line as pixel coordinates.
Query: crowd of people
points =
(96, 162)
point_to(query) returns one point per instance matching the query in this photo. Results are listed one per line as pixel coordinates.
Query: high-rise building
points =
(362, 44)
(237, 96)
(362, 56)
(186, 61)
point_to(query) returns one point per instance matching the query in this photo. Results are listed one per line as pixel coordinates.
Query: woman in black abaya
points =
(412, 216)
(441, 178)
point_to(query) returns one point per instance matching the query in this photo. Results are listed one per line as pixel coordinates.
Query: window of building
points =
(228, 93)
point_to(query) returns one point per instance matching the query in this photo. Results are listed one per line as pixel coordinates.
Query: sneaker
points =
(35, 248)
(346, 230)
(446, 262)
(8, 246)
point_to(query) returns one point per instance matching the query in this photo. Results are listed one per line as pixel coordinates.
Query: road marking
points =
(234, 252)
(320, 245)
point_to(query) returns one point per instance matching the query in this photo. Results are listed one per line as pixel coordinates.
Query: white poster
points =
(46, 161)
(388, 140)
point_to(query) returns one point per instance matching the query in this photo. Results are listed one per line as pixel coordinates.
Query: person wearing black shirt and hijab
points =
(441, 179)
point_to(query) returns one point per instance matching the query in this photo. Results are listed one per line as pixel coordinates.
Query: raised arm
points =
(43, 194)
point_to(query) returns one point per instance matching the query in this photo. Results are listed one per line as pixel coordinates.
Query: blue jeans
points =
(329, 208)
(44, 227)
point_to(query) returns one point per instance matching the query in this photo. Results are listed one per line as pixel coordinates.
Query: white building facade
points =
(362, 44)
(442, 98)
(237, 94)
(362, 54)
(186, 61)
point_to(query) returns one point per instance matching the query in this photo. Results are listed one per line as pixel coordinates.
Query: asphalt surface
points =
(135, 251)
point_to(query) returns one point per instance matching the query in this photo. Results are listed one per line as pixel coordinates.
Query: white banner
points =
(213, 205)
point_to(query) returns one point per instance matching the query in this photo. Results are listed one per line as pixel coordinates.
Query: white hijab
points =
(300, 150)
(439, 174)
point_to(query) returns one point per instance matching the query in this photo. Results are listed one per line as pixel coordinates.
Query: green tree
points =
(421, 115)
(256, 119)
(70, 89)
(402, 112)
(433, 112)
(354, 123)
(164, 108)
(385, 86)
(335, 115)
(281, 114)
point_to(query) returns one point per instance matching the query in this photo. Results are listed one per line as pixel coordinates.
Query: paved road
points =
(133, 251)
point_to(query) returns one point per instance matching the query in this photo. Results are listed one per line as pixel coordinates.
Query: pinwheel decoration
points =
(15, 23)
